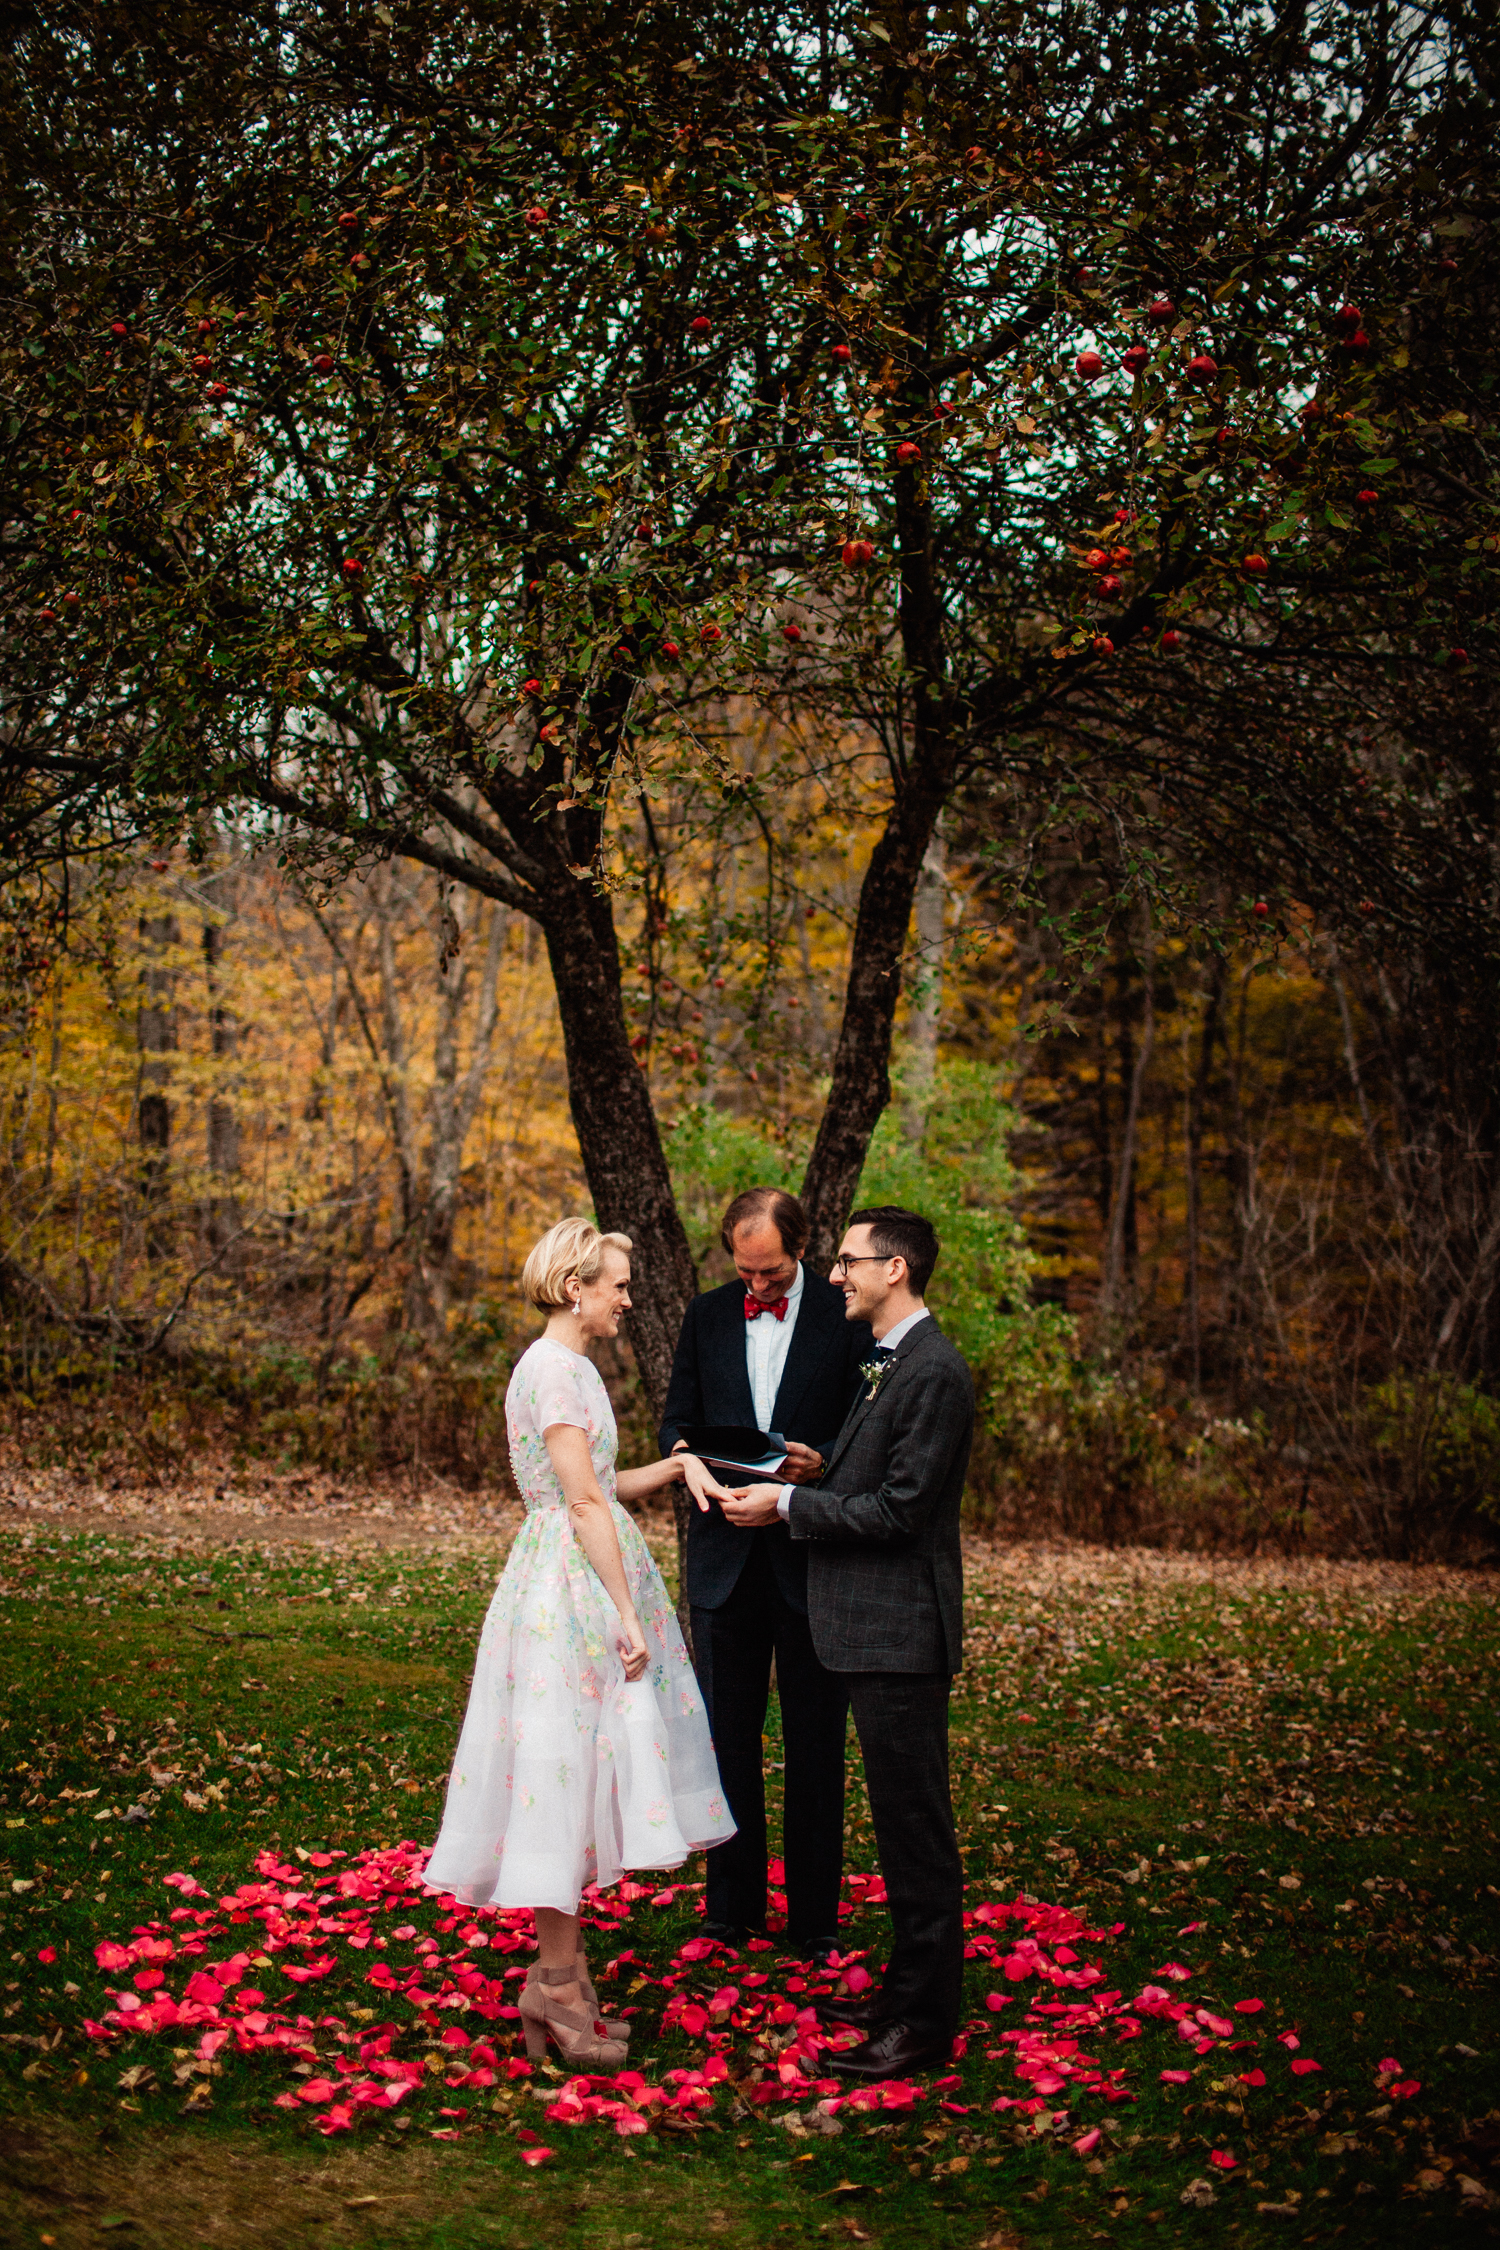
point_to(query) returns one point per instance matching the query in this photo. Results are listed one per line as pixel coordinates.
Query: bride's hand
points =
(631, 1643)
(700, 1484)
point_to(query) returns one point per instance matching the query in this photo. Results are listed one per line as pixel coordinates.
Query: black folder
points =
(752, 1453)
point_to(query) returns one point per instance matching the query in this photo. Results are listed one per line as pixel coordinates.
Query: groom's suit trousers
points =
(902, 1722)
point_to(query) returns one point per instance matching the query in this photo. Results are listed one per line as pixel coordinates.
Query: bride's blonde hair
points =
(573, 1250)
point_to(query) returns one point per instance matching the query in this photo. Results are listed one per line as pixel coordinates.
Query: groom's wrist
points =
(784, 1501)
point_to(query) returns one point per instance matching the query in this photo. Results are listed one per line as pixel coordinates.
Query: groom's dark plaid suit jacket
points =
(885, 1586)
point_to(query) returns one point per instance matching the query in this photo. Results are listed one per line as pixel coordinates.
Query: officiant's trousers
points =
(733, 1646)
(902, 1722)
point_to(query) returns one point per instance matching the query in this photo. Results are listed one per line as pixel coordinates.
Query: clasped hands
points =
(751, 1505)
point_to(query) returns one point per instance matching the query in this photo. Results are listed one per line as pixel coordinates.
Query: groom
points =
(885, 1602)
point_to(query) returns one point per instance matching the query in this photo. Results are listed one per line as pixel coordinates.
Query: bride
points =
(585, 1748)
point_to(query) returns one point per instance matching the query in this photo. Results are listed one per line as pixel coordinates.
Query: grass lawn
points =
(1280, 1779)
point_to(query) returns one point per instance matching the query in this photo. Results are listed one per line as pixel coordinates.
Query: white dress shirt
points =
(767, 1342)
(887, 1343)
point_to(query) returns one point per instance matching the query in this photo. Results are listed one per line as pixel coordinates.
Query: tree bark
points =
(1112, 1293)
(1197, 1094)
(156, 1038)
(927, 988)
(223, 1119)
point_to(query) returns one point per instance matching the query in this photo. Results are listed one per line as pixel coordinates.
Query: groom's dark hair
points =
(895, 1233)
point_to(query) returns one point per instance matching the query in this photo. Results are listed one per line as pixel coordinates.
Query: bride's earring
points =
(578, 1307)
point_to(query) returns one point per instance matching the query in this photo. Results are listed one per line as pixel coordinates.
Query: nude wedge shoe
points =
(576, 2033)
(616, 2027)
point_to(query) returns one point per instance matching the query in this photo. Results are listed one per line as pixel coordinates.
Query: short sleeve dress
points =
(566, 1772)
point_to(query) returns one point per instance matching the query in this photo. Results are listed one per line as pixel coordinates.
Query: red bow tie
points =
(755, 1306)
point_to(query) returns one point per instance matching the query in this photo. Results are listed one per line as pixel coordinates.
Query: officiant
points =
(772, 1349)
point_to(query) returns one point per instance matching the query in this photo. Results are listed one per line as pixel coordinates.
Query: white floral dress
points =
(566, 1772)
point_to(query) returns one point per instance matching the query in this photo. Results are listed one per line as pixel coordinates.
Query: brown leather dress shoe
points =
(893, 2050)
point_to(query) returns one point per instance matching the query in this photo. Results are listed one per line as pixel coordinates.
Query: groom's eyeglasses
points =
(841, 1264)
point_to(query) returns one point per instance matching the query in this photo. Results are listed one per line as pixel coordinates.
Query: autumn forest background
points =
(893, 603)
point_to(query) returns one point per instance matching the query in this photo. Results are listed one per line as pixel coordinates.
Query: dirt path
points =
(217, 1506)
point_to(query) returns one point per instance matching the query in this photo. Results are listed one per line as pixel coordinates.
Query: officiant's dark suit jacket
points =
(880, 1528)
(711, 1383)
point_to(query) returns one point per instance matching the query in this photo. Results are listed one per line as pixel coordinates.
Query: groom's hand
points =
(803, 1464)
(751, 1505)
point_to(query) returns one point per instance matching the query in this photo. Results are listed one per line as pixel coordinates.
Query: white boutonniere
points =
(875, 1372)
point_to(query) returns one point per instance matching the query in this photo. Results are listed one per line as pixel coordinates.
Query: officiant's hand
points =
(752, 1505)
(803, 1464)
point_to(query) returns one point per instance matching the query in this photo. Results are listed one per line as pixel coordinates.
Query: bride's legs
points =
(557, 1941)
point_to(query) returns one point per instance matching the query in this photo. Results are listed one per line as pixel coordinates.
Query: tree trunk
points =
(1116, 1262)
(156, 1038)
(927, 988)
(1197, 1094)
(223, 1119)
(454, 1102)
(623, 1160)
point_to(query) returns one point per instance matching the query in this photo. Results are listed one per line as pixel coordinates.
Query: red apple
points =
(201, 362)
(1109, 586)
(531, 687)
(1121, 557)
(973, 156)
(218, 392)
(670, 648)
(1458, 657)
(1229, 435)
(841, 355)
(1358, 342)
(536, 215)
(1090, 366)
(1260, 910)
(1255, 566)
(1161, 312)
(857, 552)
(118, 328)
(323, 364)
(907, 452)
(1446, 266)
(1135, 359)
(160, 866)
(72, 601)
(1201, 369)
(1348, 316)
(1367, 906)
(205, 327)
(1097, 558)
(353, 567)
(46, 617)
(700, 325)
(349, 221)
(792, 633)
(1312, 412)
(1171, 641)
(358, 262)
(1369, 498)
(1103, 645)
(710, 633)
